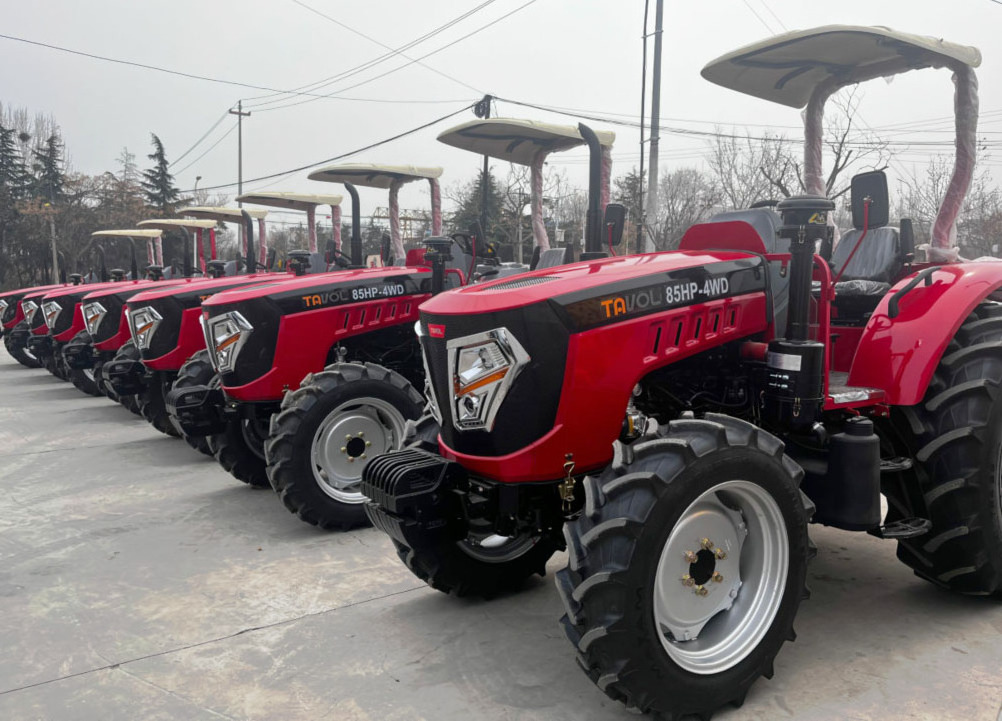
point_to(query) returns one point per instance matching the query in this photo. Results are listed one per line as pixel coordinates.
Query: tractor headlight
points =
(51, 309)
(482, 368)
(93, 314)
(143, 324)
(225, 335)
(3, 307)
(29, 307)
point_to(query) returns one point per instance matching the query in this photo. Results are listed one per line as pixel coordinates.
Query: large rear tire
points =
(325, 433)
(955, 438)
(687, 566)
(21, 354)
(240, 451)
(196, 371)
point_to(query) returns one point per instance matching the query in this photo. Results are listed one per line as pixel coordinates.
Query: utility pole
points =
(642, 220)
(239, 112)
(652, 183)
(52, 233)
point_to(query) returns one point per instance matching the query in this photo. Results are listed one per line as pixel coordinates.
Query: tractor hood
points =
(102, 309)
(10, 303)
(599, 291)
(309, 292)
(58, 308)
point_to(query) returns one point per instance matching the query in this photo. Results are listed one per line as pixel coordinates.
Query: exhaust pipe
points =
(249, 229)
(593, 222)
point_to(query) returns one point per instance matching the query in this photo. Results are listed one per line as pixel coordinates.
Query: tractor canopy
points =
(389, 177)
(306, 203)
(528, 142)
(805, 67)
(184, 226)
(154, 246)
(223, 215)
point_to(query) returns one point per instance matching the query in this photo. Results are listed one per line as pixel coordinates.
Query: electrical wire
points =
(199, 141)
(410, 62)
(375, 61)
(342, 155)
(209, 149)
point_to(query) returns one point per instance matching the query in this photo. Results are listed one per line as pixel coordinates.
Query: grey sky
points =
(570, 53)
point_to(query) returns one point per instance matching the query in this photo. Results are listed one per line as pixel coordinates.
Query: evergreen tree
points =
(12, 171)
(48, 182)
(158, 183)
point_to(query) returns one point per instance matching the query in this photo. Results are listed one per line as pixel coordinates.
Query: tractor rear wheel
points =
(325, 433)
(240, 450)
(21, 354)
(85, 380)
(954, 437)
(687, 566)
(196, 371)
(153, 407)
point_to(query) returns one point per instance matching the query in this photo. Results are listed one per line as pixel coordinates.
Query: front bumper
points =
(127, 377)
(197, 410)
(18, 336)
(412, 499)
(40, 346)
(80, 356)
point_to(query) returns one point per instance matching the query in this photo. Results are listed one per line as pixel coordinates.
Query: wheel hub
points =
(721, 577)
(347, 438)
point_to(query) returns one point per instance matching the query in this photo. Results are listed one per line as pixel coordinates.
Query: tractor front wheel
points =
(196, 371)
(153, 407)
(955, 437)
(21, 354)
(240, 450)
(130, 402)
(687, 566)
(325, 433)
(84, 380)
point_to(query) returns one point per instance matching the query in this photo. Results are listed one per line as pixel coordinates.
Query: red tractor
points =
(165, 322)
(13, 325)
(651, 414)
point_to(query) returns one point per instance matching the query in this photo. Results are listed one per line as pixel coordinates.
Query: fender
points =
(899, 355)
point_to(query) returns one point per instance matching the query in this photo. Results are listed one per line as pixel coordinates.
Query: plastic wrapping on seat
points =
(878, 258)
(860, 288)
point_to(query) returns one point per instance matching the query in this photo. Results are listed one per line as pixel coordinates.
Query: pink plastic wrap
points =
(311, 228)
(212, 243)
(243, 239)
(814, 116)
(606, 175)
(396, 242)
(436, 207)
(336, 223)
(539, 236)
(944, 230)
(262, 250)
(200, 248)
(150, 256)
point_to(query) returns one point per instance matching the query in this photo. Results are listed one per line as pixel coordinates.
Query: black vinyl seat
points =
(869, 274)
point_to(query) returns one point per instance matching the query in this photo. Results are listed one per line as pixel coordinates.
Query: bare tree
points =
(686, 196)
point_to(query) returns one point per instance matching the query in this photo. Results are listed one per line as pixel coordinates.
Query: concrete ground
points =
(140, 581)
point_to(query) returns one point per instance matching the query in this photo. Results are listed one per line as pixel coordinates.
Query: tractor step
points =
(905, 528)
(895, 465)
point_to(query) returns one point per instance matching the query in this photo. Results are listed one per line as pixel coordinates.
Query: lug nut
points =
(368, 443)
(706, 543)
(347, 437)
(719, 553)
(717, 578)
(701, 591)
(690, 556)
(362, 456)
(687, 580)
(351, 459)
(344, 449)
(360, 434)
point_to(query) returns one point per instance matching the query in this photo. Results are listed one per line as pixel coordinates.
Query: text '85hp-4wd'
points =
(657, 409)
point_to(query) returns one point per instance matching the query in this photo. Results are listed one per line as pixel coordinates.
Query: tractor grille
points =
(517, 283)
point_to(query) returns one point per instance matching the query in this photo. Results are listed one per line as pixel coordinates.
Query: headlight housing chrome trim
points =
(225, 336)
(143, 322)
(51, 310)
(29, 307)
(93, 314)
(482, 368)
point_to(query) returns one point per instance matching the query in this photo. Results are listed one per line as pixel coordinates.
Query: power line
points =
(198, 142)
(205, 78)
(411, 61)
(209, 149)
(343, 155)
(393, 51)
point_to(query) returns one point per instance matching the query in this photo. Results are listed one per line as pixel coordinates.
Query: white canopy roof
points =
(787, 68)
(169, 223)
(210, 213)
(294, 201)
(129, 233)
(515, 140)
(373, 176)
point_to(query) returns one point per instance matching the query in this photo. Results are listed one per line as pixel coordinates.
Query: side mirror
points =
(615, 223)
(872, 185)
(906, 238)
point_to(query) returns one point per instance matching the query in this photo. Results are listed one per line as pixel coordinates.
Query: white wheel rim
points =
(713, 613)
(350, 435)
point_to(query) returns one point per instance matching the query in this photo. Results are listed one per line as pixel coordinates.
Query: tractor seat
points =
(878, 261)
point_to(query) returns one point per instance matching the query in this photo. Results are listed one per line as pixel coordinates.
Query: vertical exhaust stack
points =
(794, 388)
(593, 222)
(103, 268)
(187, 266)
(249, 237)
(356, 226)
